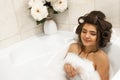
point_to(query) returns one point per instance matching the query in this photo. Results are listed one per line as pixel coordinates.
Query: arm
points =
(73, 48)
(102, 65)
(70, 71)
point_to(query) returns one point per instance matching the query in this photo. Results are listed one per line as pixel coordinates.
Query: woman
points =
(85, 58)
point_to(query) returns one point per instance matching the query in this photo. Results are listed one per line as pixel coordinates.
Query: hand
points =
(70, 71)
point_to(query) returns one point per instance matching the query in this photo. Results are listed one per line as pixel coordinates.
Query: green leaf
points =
(55, 12)
(41, 21)
(29, 8)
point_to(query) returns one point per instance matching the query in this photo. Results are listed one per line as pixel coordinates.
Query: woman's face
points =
(89, 35)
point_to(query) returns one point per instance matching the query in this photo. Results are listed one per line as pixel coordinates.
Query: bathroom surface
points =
(41, 57)
(27, 53)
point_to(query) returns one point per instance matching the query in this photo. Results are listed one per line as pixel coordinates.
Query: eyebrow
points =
(90, 30)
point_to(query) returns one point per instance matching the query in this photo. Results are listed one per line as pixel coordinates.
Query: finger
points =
(71, 69)
(73, 72)
(67, 68)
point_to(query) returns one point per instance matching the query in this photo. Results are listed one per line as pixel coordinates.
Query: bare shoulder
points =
(102, 64)
(74, 47)
(101, 59)
(101, 55)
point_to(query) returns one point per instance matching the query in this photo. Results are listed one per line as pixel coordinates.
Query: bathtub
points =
(41, 57)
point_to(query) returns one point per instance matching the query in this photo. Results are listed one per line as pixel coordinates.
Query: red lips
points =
(86, 40)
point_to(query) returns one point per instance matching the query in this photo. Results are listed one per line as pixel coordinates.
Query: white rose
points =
(43, 1)
(59, 5)
(32, 2)
(38, 11)
(51, 0)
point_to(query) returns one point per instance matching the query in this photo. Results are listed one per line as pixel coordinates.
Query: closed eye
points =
(84, 31)
(93, 33)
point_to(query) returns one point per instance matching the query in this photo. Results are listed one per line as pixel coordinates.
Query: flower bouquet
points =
(42, 9)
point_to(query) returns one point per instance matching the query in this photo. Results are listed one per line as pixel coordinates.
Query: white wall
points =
(16, 23)
(111, 9)
(78, 8)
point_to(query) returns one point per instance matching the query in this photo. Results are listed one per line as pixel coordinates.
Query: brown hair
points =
(103, 27)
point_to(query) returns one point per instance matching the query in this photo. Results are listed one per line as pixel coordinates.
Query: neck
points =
(90, 49)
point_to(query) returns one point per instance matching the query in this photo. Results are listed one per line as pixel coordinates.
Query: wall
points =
(78, 8)
(16, 23)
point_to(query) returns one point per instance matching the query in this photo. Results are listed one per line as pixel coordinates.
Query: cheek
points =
(94, 39)
(81, 35)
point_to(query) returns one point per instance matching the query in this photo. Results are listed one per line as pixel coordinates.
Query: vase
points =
(50, 27)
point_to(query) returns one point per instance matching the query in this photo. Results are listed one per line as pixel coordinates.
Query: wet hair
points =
(103, 27)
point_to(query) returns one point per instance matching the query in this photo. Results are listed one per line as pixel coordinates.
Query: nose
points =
(87, 35)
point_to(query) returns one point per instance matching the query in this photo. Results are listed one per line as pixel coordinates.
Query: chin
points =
(87, 45)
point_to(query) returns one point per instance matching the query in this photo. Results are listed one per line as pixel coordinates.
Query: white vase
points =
(50, 27)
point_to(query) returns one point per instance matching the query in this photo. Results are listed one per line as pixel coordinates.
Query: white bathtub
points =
(41, 57)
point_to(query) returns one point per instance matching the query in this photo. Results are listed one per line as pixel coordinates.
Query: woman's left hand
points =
(70, 71)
